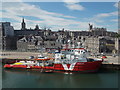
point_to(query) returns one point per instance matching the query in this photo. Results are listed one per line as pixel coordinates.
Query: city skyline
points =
(58, 15)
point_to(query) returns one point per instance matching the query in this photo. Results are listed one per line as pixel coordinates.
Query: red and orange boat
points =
(76, 60)
(71, 60)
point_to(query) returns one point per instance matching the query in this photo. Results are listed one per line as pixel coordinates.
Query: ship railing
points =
(69, 61)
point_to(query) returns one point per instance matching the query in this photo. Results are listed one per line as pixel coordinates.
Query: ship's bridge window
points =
(81, 51)
(68, 50)
(78, 51)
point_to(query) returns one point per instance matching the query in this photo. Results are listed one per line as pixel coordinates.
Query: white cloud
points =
(71, 1)
(114, 20)
(57, 20)
(102, 15)
(60, 0)
(73, 5)
(50, 19)
(28, 10)
(114, 13)
(12, 1)
(100, 18)
(116, 4)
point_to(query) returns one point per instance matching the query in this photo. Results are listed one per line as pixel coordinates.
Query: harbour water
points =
(34, 79)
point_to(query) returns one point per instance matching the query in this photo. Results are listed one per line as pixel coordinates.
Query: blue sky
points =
(58, 15)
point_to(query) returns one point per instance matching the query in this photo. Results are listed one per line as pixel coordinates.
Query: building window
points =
(53, 44)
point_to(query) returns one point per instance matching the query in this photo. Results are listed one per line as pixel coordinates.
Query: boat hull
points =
(79, 66)
(75, 67)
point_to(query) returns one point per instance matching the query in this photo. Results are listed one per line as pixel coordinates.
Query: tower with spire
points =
(36, 27)
(23, 25)
(90, 27)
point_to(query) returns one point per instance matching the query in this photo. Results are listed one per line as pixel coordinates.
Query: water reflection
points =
(34, 79)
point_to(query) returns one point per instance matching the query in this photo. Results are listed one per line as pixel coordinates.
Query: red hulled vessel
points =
(70, 60)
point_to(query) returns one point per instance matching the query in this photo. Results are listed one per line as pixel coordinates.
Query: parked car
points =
(104, 56)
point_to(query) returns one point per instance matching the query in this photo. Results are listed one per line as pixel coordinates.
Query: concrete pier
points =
(18, 55)
(111, 63)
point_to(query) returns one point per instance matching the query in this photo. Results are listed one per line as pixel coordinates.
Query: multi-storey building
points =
(24, 31)
(35, 43)
(1, 37)
(8, 41)
(117, 45)
(93, 39)
(7, 29)
(98, 44)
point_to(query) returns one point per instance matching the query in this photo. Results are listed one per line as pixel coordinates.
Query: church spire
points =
(36, 27)
(23, 20)
(23, 25)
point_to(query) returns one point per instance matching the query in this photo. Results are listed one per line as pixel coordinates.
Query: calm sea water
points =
(35, 79)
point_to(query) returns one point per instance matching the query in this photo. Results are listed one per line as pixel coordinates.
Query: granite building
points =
(95, 31)
(94, 39)
(35, 43)
(24, 31)
(7, 29)
(1, 37)
(7, 36)
(99, 44)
